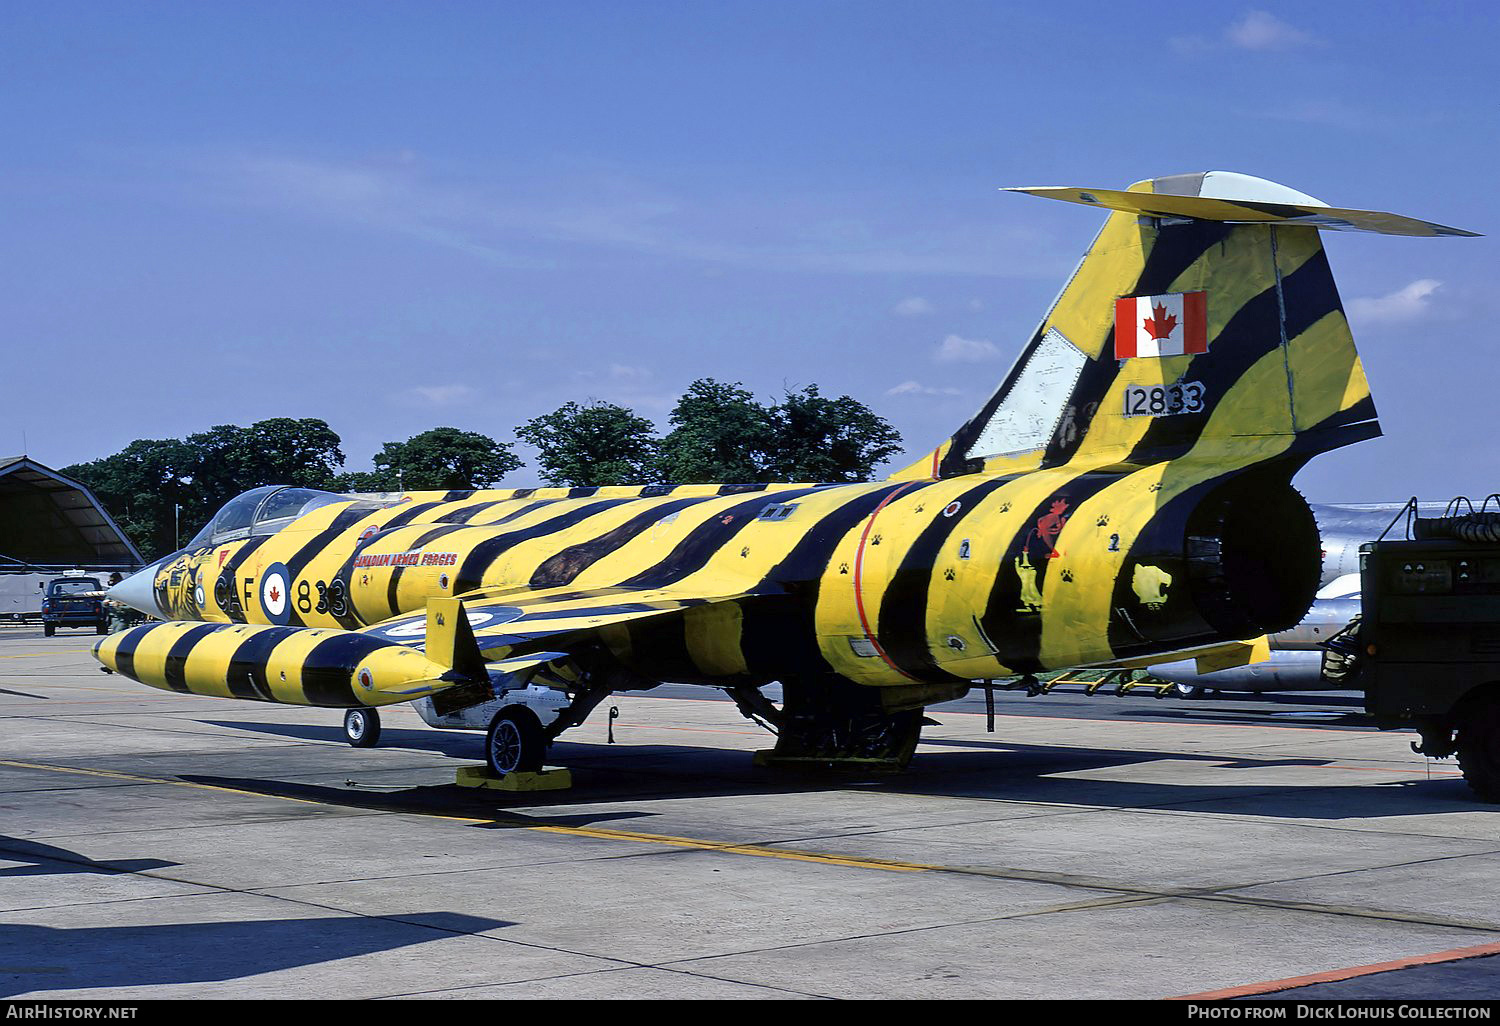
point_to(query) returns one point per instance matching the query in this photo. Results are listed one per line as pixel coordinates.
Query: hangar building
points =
(50, 524)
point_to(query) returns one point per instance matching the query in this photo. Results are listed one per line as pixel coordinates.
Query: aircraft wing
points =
(517, 624)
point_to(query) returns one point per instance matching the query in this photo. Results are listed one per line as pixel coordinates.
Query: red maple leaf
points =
(1159, 325)
(275, 595)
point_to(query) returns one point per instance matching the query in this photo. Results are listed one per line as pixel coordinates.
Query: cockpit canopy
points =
(259, 511)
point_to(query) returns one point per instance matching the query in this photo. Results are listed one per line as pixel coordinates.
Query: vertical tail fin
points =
(1204, 315)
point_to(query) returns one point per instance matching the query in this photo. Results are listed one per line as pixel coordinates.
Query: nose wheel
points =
(362, 727)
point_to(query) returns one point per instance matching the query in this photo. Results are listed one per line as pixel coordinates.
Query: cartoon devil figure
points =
(1041, 541)
(1049, 526)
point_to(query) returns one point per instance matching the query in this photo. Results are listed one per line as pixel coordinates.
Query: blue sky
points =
(396, 216)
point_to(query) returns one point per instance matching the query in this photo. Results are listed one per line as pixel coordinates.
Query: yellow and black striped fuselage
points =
(1125, 491)
(885, 584)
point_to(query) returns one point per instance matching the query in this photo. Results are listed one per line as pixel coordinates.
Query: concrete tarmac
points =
(162, 846)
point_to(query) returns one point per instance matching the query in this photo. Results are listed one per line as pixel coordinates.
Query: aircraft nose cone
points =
(138, 591)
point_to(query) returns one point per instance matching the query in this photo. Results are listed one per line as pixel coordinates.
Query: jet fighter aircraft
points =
(1124, 493)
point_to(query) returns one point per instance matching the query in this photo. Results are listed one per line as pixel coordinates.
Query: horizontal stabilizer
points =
(1244, 211)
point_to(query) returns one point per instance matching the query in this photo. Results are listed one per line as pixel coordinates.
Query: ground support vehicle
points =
(74, 602)
(1428, 643)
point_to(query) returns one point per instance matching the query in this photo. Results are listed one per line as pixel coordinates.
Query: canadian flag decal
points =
(1173, 325)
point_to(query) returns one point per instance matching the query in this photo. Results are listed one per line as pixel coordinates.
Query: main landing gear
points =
(515, 742)
(831, 723)
(517, 739)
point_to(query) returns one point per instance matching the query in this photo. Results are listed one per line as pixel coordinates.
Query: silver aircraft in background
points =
(1297, 661)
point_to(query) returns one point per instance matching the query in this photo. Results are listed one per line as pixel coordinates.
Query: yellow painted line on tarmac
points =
(725, 847)
(729, 847)
(133, 778)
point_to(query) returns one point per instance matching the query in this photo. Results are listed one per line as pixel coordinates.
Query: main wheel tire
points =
(49, 629)
(515, 742)
(362, 727)
(102, 627)
(1478, 746)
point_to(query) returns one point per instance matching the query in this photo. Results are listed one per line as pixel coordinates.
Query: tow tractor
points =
(1427, 646)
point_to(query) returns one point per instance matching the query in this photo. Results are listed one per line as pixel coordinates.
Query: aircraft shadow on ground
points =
(459, 744)
(39, 859)
(990, 770)
(1048, 774)
(43, 958)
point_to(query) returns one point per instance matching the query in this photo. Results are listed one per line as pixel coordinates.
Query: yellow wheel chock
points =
(551, 778)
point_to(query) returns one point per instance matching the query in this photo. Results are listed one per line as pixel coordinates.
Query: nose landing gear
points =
(362, 727)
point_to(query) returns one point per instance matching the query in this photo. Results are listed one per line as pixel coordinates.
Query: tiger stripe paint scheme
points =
(1081, 535)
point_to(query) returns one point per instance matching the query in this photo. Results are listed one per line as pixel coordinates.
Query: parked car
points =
(74, 602)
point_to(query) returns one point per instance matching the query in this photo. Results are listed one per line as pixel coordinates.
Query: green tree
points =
(442, 458)
(597, 444)
(280, 450)
(363, 481)
(720, 434)
(153, 485)
(832, 440)
(142, 486)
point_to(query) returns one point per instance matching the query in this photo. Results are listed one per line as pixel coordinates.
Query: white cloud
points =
(626, 375)
(1262, 30)
(1405, 304)
(544, 222)
(955, 349)
(914, 306)
(633, 387)
(1256, 30)
(441, 395)
(917, 388)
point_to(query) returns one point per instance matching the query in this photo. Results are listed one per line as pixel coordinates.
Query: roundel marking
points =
(366, 679)
(368, 533)
(952, 508)
(273, 594)
(417, 627)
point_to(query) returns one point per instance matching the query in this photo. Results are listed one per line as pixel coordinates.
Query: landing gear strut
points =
(830, 723)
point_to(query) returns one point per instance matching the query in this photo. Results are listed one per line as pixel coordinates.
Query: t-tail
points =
(1202, 322)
